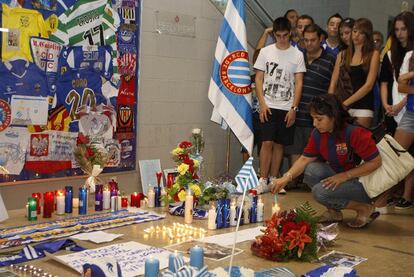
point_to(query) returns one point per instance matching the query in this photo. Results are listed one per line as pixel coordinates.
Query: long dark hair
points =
(397, 50)
(347, 22)
(364, 25)
(329, 105)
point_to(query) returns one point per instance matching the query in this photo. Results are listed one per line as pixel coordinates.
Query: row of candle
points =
(177, 232)
(152, 265)
(29, 270)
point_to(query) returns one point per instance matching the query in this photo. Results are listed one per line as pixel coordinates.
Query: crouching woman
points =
(328, 167)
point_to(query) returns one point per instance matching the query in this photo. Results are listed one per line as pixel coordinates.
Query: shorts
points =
(361, 113)
(275, 128)
(407, 122)
(300, 141)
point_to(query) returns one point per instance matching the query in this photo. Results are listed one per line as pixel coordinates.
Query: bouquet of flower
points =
(90, 159)
(187, 174)
(289, 234)
(197, 141)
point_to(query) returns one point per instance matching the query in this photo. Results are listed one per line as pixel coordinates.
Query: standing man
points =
(303, 21)
(319, 68)
(279, 79)
(331, 44)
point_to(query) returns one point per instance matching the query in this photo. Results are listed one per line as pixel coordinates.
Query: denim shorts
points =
(407, 122)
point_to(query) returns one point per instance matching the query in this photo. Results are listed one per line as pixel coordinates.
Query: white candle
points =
(212, 214)
(75, 203)
(143, 203)
(188, 209)
(260, 210)
(163, 193)
(151, 198)
(60, 203)
(233, 214)
(246, 213)
(106, 199)
(275, 209)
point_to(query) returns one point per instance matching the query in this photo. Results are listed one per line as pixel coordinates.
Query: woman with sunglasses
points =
(334, 181)
(362, 63)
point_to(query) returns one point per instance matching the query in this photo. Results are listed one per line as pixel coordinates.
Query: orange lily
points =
(298, 238)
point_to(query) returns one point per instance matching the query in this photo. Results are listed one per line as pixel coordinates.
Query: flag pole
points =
(237, 226)
(228, 152)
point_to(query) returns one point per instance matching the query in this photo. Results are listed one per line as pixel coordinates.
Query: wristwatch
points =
(294, 108)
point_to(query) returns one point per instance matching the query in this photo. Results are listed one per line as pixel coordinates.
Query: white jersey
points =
(89, 22)
(279, 67)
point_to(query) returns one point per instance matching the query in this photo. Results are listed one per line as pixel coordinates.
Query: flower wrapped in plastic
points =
(91, 159)
(187, 177)
(289, 235)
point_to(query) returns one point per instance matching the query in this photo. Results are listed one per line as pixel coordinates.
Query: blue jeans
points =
(340, 197)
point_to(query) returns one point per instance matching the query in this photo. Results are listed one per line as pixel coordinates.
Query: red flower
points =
(188, 161)
(289, 226)
(89, 152)
(185, 144)
(298, 238)
(82, 139)
(303, 223)
(183, 157)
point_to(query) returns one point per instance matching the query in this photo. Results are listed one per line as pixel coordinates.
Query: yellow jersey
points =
(20, 24)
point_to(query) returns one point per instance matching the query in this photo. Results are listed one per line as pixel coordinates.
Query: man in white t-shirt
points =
(279, 79)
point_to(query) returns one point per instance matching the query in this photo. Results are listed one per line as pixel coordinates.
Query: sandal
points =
(330, 217)
(362, 222)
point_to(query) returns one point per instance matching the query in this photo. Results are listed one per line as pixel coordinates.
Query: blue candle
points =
(197, 257)
(68, 199)
(98, 197)
(152, 267)
(171, 261)
(83, 200)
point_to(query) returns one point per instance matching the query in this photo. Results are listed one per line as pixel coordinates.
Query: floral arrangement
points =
(213, 193)
(90, 159)
(187, 177)
(289, 235)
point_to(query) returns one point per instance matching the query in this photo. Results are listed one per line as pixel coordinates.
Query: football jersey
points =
(96, 58)
(22, 78)
(79, 88)
(21, 24)
(89, 22)
(47, 8)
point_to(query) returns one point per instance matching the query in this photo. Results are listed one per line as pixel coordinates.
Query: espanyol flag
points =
(230, 91)
(246, 178)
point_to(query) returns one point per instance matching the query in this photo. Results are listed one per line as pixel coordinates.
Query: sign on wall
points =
(67, 67)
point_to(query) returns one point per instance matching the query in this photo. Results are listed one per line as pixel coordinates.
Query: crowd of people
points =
(312, 86)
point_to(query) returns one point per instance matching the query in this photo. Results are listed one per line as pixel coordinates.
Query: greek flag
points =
(246, 178)
(229, 90)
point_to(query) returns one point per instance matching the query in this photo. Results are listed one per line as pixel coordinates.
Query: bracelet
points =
(349, 175)
(288, 174)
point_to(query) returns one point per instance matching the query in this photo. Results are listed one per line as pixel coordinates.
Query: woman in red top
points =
(334, 181)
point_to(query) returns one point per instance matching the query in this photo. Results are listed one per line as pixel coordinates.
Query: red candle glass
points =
(124, 202)
(38, 197)
(48, 204)
(134, 200)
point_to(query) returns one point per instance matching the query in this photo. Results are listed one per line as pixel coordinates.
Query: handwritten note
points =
(130, 256)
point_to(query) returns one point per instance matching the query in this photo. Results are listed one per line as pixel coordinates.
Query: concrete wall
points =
(172, 98)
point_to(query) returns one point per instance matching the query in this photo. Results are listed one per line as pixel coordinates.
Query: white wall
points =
(172, 97)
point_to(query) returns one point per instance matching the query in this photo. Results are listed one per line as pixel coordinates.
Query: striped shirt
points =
(315, 82)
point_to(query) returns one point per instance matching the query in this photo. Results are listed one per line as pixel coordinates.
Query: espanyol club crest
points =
(235, 72)
(5, 115)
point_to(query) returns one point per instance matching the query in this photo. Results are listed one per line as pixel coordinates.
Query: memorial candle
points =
(134, 200)
(171, 261)
(106, 199)
(212, 214)
(31, 209)
(68, 199)
(152, 267)
(38, 197)
(188, 208)
(83, 200)
(151, 198)
(197, 257)
(98, 197)
(60, 202)
(170, 180)
(124, 202)
(48, 204)
(260, 210)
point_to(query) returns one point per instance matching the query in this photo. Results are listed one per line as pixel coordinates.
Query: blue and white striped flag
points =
(246, 178)
(230, 91)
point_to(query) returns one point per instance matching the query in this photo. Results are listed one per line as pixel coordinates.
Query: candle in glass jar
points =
(98, 197)
(106, 199)
(188, 208)
(68, 199)
(60, 202)
(31, 209)
(83, 200)
(75, 203)
(151, 198)
(48, 204)
(134, 199)
(170, 180)
(233, 213)
(212, 214)
(124, 202)
(38, 197)
(260, 210)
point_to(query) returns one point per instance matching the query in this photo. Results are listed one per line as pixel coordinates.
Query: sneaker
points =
(282, 191)
(403, 204)
(262, 187)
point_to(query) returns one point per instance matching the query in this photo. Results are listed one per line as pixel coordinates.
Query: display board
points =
(67, 68)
